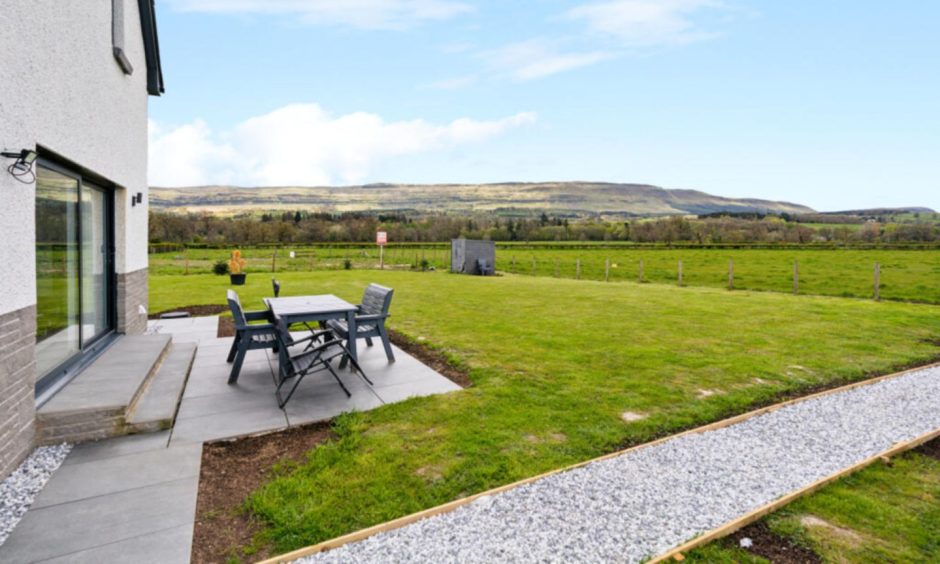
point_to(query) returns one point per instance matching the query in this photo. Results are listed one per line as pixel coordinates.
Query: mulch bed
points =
(231, 470)
(226, 327)
(773, 547)
(435, 359)
(194, 310)
(931, 449)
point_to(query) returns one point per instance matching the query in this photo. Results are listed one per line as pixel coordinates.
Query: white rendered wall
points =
(61, 88)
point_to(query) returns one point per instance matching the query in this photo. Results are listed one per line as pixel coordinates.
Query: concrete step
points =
(94, 405)
(156, 408)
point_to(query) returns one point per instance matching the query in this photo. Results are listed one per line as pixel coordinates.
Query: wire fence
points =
(878, 274)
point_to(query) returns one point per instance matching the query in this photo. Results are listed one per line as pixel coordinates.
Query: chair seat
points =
(263, 337)
(303, 361)
(342, 328)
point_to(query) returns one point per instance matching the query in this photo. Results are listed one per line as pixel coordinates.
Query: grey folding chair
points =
(370, 320)
(314, 357)
(248, 337)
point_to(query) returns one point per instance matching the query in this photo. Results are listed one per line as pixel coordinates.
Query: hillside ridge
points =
(576, 199)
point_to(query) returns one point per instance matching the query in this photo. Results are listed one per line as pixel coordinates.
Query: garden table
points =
(307, 309)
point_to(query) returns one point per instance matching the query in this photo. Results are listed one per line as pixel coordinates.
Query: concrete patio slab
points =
(186, 329)
(166, 546)
(119, 446)
(63, 529)
(105, 476)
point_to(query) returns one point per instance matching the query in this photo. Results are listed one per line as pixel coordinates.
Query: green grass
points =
(908, 275)
(555, 363)
(882, 514)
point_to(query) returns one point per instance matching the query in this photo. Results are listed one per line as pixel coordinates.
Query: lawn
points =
(555, 365)
(886, 513)
(911, 275)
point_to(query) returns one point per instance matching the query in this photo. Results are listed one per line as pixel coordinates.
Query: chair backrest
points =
(277, 287)
(236, 306)
(285, 339)
(376, 300)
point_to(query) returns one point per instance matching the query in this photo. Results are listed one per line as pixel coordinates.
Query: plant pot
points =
(237, 279)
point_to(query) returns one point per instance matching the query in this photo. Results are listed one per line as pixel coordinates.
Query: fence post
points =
(607, 270)
(731, 274)
(640, 276)
(274, 261)
(577, 269)
(796, 277)
(877, 281)
(680, 273)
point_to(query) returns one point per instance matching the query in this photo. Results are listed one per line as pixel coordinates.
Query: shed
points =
(469, 256)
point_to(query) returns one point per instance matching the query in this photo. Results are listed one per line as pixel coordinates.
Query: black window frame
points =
(51, 382)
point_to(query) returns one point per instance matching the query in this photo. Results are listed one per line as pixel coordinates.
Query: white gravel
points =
(638, 505)
(18, 491)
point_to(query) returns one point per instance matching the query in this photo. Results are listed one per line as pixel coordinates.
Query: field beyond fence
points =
(894, 274)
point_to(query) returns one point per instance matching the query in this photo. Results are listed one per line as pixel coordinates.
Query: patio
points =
(133, 498)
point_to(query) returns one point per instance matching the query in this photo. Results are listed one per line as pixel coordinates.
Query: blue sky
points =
(832, 104)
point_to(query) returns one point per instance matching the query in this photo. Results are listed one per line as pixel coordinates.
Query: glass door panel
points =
(57, 267)
(95, 271)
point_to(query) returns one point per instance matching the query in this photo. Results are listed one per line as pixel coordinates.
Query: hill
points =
(575, 199)
(882, 211)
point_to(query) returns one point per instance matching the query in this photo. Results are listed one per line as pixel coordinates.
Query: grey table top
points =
(309, 305)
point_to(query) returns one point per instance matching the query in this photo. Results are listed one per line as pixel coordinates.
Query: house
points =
(74, 88)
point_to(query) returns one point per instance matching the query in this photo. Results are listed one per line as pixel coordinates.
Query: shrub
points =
(220, 267)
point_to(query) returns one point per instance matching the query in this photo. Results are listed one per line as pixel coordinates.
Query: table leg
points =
(353, 331)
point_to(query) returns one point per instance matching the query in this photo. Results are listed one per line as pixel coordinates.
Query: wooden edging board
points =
(711, 535)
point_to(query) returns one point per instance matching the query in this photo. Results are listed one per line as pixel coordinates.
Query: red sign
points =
(381, 238)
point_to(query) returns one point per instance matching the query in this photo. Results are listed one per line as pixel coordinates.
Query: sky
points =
(832, 104)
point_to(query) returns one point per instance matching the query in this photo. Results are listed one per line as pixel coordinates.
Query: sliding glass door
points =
(74, 272)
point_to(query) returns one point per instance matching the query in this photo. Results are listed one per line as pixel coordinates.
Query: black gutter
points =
(148, 24)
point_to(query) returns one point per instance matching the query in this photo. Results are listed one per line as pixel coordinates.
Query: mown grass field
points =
(555, 365)
(882, 514)
(907, 275)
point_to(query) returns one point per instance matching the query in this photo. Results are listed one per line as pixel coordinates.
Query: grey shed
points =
(469, 256)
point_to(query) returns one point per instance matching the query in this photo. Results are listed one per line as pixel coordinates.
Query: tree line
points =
(306, 227)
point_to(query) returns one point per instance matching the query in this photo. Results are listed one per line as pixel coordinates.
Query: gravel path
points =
(643, 503)
(20, 488)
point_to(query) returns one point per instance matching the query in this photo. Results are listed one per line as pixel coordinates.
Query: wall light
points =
(23, 165)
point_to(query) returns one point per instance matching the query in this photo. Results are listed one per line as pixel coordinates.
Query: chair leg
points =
(359, 369)
(237, 367)
(387, 343)
(231, 352)
(277, 392)
(335, 375)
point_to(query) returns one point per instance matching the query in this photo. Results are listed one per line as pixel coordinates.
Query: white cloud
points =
(529, 60)
(366, 14)
(301, 144)
(647, 23)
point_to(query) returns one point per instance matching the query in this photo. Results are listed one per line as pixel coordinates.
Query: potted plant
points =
(236, 269)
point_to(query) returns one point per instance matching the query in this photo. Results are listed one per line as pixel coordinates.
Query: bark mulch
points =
(931, 449)
(231, 470)
(435, 359)
(767, 544)
(195, 310)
